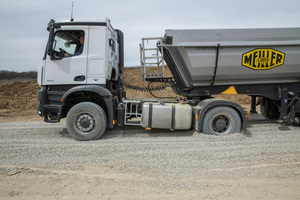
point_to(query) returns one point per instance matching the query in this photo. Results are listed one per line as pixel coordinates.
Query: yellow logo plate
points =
(262, 59)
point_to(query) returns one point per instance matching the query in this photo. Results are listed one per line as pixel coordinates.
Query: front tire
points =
(221, 120)
(86, 121)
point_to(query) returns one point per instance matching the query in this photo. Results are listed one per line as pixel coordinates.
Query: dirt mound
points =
(240, 99)
(23, 95)
(19, 95)
(133, 77)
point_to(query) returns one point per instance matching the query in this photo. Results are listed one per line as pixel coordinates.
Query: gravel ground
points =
(167, 161)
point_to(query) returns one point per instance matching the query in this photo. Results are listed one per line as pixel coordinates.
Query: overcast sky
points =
(23, 22)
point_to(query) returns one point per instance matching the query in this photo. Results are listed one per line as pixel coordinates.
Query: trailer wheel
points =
(269, 109)
(86, 121)
(221, 120)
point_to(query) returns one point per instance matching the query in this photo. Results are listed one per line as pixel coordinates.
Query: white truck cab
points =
(80, 52)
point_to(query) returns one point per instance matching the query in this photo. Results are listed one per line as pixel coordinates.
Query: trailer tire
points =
(86, 121)
(221, 120)
(269, 109)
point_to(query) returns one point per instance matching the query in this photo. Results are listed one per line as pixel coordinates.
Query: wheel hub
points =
(85, 123)
(220, 124)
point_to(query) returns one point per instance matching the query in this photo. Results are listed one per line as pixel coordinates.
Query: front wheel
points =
(221, 120)
(86, 121)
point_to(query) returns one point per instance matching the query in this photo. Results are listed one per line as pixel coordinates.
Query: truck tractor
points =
(82, 78)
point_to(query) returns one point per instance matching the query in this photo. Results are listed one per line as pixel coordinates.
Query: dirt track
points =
(41, 161)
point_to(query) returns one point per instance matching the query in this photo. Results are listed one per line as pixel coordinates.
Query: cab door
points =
(68, 62)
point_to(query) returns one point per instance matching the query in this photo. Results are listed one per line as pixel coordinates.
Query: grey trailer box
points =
(234, 56)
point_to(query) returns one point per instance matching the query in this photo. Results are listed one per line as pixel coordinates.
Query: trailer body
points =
(245, 56)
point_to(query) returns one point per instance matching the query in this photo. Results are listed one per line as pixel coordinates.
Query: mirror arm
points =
(50, 40)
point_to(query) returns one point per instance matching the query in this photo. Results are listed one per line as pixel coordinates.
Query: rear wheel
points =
(221, 120)
(86, 121)
(269, 109)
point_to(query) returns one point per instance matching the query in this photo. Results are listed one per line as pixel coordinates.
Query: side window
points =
(68, 43)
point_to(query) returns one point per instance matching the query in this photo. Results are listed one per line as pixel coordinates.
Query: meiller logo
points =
(260, 59)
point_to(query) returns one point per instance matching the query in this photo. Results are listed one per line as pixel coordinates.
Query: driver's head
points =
(81, 39)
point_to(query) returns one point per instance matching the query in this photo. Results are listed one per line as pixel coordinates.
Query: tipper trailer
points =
(82, 78)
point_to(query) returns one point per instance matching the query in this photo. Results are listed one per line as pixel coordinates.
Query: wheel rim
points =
(85, 123)
(221, 125)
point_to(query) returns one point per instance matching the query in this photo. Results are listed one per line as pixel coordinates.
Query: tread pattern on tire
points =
(100, 121)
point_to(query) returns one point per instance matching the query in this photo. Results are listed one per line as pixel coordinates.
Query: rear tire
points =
(86, 121)
(269, 109)
(221, 120)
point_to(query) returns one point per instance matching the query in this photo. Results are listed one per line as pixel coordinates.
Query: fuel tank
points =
(167, 116)
(233, 56)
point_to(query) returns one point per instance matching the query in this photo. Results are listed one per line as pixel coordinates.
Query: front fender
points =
(102, 92)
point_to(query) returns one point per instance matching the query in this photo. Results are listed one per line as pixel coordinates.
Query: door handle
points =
(79, 78)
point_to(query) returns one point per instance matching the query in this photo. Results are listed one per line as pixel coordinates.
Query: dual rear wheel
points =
(221, 120)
